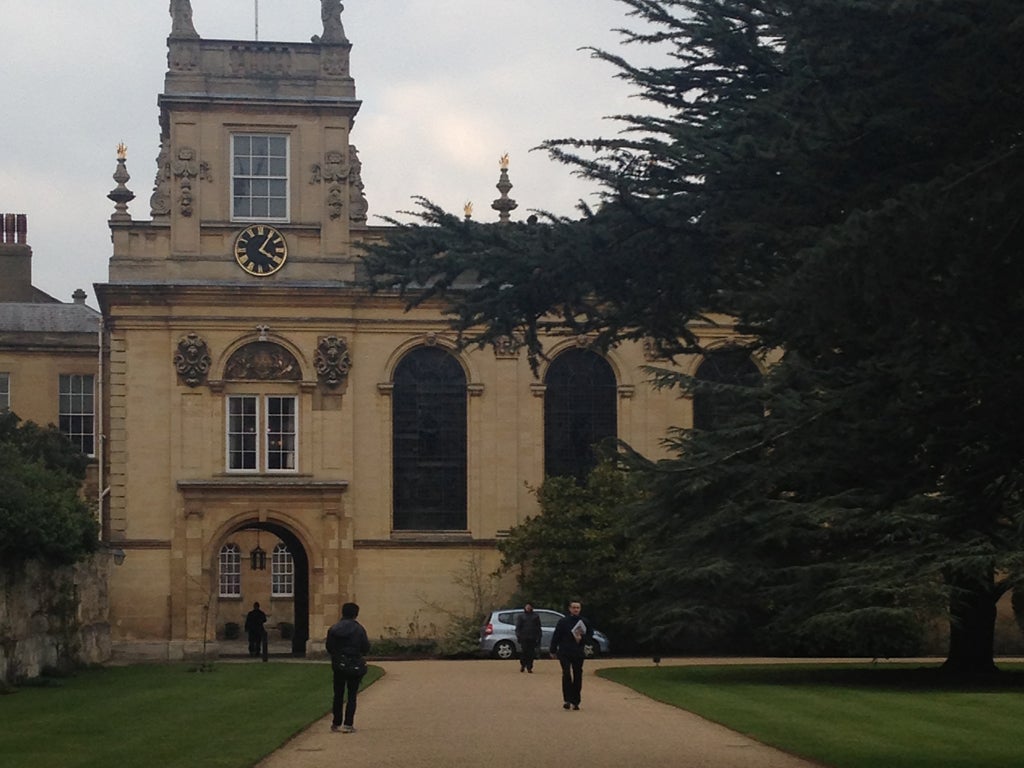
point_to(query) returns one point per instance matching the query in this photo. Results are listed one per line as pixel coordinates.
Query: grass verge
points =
(165, 715)
(853, 716)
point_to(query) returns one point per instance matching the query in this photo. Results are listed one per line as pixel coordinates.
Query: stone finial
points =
(504, 205)
(120, 194)
(181, 19)
(334, 30)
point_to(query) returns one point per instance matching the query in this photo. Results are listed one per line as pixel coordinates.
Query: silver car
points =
(498, 634)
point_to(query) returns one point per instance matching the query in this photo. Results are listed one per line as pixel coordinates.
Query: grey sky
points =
(447, 87)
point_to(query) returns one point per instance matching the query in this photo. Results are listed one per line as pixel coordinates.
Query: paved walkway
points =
(486, 714)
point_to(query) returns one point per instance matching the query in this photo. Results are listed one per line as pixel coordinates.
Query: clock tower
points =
(230, 315)
(257, 176)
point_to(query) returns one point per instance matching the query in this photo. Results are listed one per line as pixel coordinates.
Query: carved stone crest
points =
(332, 361)
(262, 361)
(192, 359)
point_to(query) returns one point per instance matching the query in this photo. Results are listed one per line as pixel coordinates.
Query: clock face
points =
(260, 250)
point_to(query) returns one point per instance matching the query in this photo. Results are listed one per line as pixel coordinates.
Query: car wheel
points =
(591, 650)
(505, 649)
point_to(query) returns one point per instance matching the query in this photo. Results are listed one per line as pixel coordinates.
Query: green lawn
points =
(164, 715)
(853, 716)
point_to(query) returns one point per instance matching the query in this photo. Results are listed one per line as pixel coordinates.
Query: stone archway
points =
(300, 595)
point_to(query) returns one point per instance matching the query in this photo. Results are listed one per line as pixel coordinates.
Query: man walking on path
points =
(347, 645)
(528, 634)
(572, 633)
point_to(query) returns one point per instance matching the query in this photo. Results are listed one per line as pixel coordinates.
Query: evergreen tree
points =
(580, 546)
(842, 177)
(42, 514)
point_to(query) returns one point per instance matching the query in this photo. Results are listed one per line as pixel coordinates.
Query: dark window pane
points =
(579, 412)
(716, 398)
(429, 442)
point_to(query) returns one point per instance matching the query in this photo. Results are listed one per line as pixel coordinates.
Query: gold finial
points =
(122, 151)
(468, 210)
(503, 162)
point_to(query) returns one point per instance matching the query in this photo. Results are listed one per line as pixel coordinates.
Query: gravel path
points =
(486, 714)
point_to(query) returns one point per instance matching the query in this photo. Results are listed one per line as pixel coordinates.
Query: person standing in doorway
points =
(568, 644)
(254, 621)
(347, 644)
(528, 635)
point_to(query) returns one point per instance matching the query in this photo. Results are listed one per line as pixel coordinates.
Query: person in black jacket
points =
(528, 633)
(572, 633)
(347, 643)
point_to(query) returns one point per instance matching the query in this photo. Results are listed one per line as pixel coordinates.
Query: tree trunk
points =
(972, 626)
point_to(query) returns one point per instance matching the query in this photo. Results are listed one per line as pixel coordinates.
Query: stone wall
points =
(53, 618)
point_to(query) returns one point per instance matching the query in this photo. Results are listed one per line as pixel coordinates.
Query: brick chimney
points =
(15, 259)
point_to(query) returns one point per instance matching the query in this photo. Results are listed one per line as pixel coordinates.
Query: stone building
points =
(48, 360)
(260, 402)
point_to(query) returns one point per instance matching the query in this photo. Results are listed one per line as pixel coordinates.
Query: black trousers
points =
(344, 711)
(572, 678)
(528, 653)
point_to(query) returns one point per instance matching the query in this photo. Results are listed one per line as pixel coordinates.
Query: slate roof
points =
(18, 317)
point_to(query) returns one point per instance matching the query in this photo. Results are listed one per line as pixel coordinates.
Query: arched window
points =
(429, 442)
(230, 571)
(282, 572)
(716, 398)
(579, 412)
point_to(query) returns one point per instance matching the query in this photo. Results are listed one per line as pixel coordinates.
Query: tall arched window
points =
(230, 561)
(579, 412)
(282, 572)
(717, 398)
(429, 442)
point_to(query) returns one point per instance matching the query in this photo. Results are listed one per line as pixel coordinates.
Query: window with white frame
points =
(5, 391)
(282, 572)
(230, 571)
(259, 177)
(262, 433)
(76, 411)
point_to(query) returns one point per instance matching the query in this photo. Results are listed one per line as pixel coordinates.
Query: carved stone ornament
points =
(262, 361)
(334, 62)
(332, 361)
(334, 171)
(358, 207)
(160, 200)
(334, 30)
(181, 19)
(261, 60)
(192, 360)
(507, 346)
(185, 168)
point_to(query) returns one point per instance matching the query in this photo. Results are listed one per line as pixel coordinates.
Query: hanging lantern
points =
(258, 557)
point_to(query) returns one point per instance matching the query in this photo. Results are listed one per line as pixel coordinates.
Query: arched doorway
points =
(264, 583)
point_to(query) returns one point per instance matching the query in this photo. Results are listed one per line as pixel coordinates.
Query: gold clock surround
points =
(260, 250)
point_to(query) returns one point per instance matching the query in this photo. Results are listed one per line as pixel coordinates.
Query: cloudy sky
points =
(447, 87)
